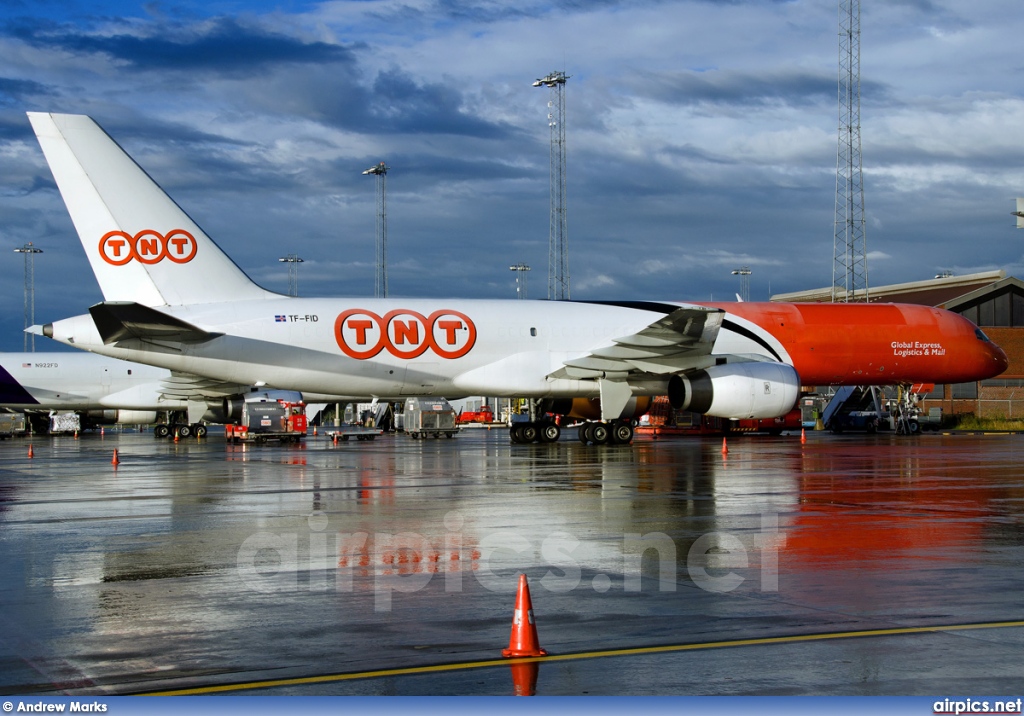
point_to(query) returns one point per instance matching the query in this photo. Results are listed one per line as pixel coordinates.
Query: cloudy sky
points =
(701, 137)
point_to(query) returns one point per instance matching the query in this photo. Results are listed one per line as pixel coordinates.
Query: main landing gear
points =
(617, 432)
(544, 431)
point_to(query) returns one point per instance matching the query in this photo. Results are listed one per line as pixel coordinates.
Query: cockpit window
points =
(980, 335)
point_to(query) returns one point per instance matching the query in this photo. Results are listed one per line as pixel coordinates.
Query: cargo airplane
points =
(173, 299)
(108, 390)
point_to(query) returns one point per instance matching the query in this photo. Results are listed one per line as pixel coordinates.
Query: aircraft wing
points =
(682, 340)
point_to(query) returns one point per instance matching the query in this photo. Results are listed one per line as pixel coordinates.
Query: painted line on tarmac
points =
(634, 651)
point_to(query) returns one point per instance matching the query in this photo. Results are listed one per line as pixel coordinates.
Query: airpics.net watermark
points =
(406, 562)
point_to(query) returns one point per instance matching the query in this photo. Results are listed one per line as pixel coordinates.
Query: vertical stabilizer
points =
(142, 247)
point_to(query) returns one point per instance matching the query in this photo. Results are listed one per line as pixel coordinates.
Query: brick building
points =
(994, 302)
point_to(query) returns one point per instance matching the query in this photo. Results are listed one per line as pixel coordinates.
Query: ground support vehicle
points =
(359, 432)
(424, 417)
(271, 415)
(12, 424)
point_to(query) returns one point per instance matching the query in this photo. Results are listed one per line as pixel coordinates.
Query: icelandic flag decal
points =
(280, 319)
(26, 365)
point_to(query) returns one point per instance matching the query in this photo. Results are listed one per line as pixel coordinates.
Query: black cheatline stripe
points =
(654, 306)
(746, 333)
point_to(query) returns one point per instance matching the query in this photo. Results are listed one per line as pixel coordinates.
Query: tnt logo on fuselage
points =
(148, 247)
(362, 334)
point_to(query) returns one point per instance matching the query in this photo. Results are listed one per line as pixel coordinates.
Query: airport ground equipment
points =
(359, 432)
(12, 424)
(429, 416)
(484, 416)
(270, 415)
(63, 423)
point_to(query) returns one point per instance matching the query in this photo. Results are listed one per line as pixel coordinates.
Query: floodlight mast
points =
(29, 251)
(293, 262)
(849, 262)
(520, 270)
(558, 232)
(380, 277)
(744, 273)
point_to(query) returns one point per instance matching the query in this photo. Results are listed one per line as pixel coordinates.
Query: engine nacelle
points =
(737, 390)
(122, 417)
(227, 411)
(590, 408)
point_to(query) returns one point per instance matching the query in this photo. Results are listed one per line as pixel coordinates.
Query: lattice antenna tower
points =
(380, 277)
(849, 266)
(558, 232)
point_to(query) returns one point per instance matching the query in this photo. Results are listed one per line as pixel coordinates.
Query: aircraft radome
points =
(173, 299)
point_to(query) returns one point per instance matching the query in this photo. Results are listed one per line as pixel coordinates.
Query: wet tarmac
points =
(846, 565)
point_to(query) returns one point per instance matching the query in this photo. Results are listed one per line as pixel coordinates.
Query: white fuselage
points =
(393, 347)
(81, 381)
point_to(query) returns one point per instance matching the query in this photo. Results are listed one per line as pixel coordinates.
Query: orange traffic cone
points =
(114, 461)
(176, 436)
(523, 641)
(31, 452)
(102, 433)
(76, 435)
(524, 678)
(725, 448)
(335, 439)
(803, 436)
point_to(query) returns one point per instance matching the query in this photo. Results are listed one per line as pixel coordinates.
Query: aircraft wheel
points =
(529, 432)
(584, 433)
(600, 433)
(184, 431)
(200, 431)
(549, 433)
(161, 431)
(622, 433)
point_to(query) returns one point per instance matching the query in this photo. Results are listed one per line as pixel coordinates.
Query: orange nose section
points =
(999, 360)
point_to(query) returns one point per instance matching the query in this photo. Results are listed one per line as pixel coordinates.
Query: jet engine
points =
(590, 408)
(737, 390)
(123, 417)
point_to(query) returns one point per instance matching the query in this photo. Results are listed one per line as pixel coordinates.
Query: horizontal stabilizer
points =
(125, 321)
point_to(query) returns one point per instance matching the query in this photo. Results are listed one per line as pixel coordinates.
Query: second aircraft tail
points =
(142, 246)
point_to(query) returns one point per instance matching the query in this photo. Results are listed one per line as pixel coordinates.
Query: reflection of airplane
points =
(110, 390)
(174, 299)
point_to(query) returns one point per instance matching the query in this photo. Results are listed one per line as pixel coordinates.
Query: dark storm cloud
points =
(394, 103)
(727, 87)
(15, 92)
(219, 46)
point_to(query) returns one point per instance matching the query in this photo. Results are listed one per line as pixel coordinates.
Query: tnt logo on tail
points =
(148, 247)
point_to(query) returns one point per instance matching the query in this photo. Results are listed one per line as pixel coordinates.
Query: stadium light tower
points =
(744, 273)
(520, 270)
(293, 262)
(380, 277)
(558, 232)
(29, 251)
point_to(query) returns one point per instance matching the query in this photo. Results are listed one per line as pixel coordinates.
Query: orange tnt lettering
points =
(449, 328)
(147, 247)
(407, 332)
(360, 327)
(116, 245)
